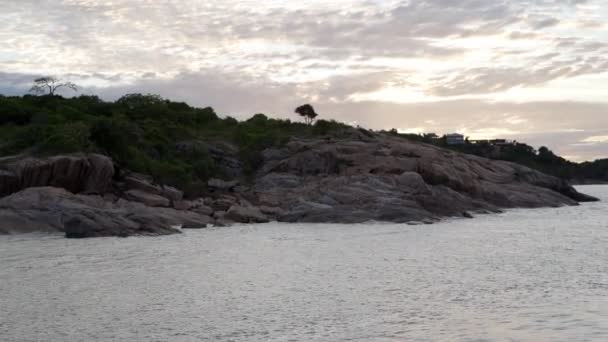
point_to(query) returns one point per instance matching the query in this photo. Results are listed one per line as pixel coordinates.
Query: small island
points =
(144, 165)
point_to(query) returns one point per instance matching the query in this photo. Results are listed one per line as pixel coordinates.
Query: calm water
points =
(526, 275)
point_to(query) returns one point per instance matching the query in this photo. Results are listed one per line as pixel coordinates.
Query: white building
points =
(454, 139)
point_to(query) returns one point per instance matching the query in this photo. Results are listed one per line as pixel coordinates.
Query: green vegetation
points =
(144, 133)
(307, 112)
(542, 159)
(171, 140)
(49, 85)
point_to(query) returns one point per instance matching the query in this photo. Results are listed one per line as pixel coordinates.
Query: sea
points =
(522, 275)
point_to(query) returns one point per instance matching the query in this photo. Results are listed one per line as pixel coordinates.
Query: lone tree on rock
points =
(307, 112)
(49, 85)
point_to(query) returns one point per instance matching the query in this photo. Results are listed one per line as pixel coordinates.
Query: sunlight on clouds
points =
(514, 119)
(489, 133)
(413, 130)
(394, 94)
(395, 56)
(596, 139)
(588, 88)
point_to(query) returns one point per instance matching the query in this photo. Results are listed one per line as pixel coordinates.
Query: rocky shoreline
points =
(369, 177)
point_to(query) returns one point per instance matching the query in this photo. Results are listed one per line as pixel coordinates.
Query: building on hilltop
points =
(454, 139)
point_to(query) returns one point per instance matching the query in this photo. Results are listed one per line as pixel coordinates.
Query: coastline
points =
(367, 177)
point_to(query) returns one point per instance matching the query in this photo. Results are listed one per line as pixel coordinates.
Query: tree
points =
(308, 112)
(50, 85)
(138, 106)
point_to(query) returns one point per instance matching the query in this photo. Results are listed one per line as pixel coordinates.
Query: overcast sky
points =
(530, 70)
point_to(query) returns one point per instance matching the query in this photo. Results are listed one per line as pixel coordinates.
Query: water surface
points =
(525, 275)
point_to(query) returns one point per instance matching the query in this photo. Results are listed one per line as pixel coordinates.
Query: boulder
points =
(142, 183)
(9, 182)
(203, 209)
(381, 177)
(98, 177)
(49, 209)
(222, 203)
(219, 184)
(272, 211)
(242, 214)
(148, 199)
(183, 205)
(172, 193)
(222, 223)
(78, 173)
(87, 224)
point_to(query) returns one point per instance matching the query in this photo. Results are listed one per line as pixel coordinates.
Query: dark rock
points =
(363, 177)
(183, 205)
(148, 199)
(172, 193)
(242, 214)
(9, 182)
(272, 211)
(223, 223)
(203, 209)
(385, 178)
(49, 209)
(223, 203)
(219, 184)
(78, 173)
(142, 183)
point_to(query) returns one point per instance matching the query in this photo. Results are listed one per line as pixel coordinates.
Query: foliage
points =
(307, 112)
(170, 140)
(145, 133)
(48, 85)
(543, 160)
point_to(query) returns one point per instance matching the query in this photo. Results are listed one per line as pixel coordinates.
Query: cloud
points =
(596, 139)
(427, 64)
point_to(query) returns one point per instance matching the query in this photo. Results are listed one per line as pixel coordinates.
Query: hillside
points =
(143, 165)
(543, 159)
(174, 143)
(171, 140)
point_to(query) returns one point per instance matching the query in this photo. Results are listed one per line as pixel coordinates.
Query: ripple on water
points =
(525, 275)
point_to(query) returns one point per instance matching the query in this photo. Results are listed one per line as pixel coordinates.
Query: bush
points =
(324, 127)
(170, 172)
(114, 137)
(205, 115)
(67, 138)
(138, 106)
(11, 112)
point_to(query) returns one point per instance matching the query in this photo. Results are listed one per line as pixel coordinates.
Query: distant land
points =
(140, 131)
(543, 159)
(144, 165)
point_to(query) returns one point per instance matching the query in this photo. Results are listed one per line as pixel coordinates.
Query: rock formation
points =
(366, 177)
(385, 178)
(79, 173)
(50, 209)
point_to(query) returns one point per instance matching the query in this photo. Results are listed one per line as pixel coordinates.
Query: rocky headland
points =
(365, 177)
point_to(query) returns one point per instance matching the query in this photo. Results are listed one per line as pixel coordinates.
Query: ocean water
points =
(525, 275)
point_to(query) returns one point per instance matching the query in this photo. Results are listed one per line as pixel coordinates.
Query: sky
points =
(530, 70)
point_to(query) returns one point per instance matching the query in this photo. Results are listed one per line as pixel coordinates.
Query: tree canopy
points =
(307, 112)
(174, 142)
(49, 85)
(145, 133)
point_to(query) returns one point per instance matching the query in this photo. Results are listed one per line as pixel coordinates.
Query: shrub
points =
(67, 138)
(114, 137)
